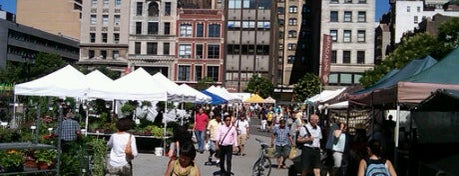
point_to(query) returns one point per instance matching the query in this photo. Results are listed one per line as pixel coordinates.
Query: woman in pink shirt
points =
(200, 124)
(227, 143)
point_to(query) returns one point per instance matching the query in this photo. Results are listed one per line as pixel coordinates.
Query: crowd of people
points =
(326, 148)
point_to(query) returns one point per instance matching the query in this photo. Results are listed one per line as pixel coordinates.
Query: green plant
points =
(47, 156)
(127, 108)
(99, 148)
(156, 131)
(11, 159)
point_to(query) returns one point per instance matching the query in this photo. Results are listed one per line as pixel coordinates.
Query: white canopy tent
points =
(175, 93)
(199, 96)
(99, 85)
(325, 96)
(65, 82)
(138, 85)
(222, 92)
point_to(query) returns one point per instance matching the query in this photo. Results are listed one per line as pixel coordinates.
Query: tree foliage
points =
(260, 85)
(448, 32)
(307, 86)
(204, 83)
(43, 64)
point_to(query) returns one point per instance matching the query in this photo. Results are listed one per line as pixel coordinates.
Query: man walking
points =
(282, 140)
(311, 134)
(242, 126)
(200, 124)
(227, 143)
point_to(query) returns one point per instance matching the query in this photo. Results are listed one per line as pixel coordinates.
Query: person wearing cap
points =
(282, 140)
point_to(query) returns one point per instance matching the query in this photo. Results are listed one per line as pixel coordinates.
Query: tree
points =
(260, 85)
(204, 83)
(307, 86)
(43, 64)
(447, 32)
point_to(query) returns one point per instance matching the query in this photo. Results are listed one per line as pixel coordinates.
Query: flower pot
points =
(42, 166)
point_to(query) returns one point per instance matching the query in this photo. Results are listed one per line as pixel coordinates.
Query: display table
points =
(26, 146)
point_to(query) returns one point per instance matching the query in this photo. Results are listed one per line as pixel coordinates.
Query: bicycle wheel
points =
(262, 167)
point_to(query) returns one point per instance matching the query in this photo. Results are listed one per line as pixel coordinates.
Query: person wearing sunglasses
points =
(227, 143)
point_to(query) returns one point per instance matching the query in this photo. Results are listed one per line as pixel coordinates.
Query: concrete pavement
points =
(150, 164)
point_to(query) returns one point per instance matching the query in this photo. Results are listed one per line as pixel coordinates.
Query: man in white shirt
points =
(242, 126)
(310, 152)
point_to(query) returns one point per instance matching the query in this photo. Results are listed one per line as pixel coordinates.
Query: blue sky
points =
(382, 6)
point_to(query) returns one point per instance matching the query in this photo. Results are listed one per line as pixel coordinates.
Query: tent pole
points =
(13, 123)
(396, 136)
(164, 132)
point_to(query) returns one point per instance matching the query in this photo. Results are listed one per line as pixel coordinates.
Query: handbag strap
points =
(129, 140)
(221, 141)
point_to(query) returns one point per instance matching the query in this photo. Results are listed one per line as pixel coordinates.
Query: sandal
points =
(284, 167)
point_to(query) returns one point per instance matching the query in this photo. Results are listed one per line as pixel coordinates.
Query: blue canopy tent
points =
(216, 100)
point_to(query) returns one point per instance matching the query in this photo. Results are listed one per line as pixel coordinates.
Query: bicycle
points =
(262, 166)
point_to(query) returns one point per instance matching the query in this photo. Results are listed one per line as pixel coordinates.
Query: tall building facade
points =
(152, 36)
(200, 45)
(21, 44)
(289, 20)
(251, 42)
(408, 14)
(54, 16)
(104, 34)
(350, 23)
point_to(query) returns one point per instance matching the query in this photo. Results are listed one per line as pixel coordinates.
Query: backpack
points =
(376, 168)
(301, 144)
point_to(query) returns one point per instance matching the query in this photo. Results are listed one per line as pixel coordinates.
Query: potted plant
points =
(45, 158)
(11, 161)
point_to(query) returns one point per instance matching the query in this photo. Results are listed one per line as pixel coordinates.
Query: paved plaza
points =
(150, 164)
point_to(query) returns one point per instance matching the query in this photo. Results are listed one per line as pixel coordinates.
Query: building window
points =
(333, 57)
(117, 3)
(103, 54)
(105, 20)
(183, 72)
(152, 27)
(185, 30)
(334, 16)
(280, 22)
(139, 9)
(166, 48)
(115, 54)
(91, 54)
(361, 36)
(290, 59)
(153, 9)
(347, 1)
(347, 36)
(185, 50)
(167, 28)
(167, 9)
(347, 16)
(292, 21)
(415, 19)
(346, 57)
(199, 51)
(104, 37)
(334, 1)
(292, 34)
(105, 3)
(116, 37)
(93, 3)
(280, 10)
(200, 30)
(213, 51)
(360, 57)
(137, 48)
(138, 27)
(362, 16)
(362, 1)
(152, 48)
(418, 9)
(212, 72)
(92, 37)
(408, 9)
(117, 20)
(293, 9)
(93, 19)
(291, 46)
(214, 30)
(334, 35)
(197, 72)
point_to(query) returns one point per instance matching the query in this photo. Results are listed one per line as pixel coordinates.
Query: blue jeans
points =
(200, 139)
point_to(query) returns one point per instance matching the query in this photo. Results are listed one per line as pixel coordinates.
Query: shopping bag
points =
(294, 152)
